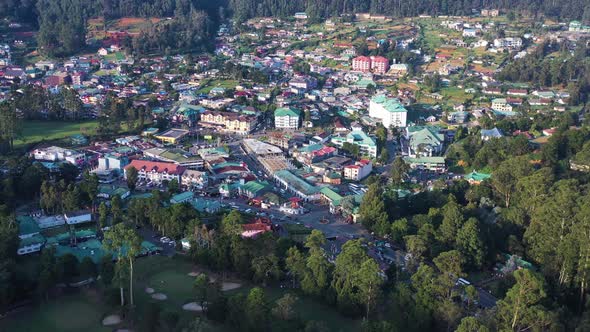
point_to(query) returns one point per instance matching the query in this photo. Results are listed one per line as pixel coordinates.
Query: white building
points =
(510, 42)
(78, 217)
(155, 172)
(287, 118)
(358, 171)
(389, 110)
(500, 104)
(55, 153)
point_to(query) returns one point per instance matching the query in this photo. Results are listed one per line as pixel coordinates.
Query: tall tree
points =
(125, 242)
(131, 176)
(521, 310)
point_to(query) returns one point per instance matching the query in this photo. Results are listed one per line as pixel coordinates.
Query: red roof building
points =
(361, 63)
(260, 226)
(155, 172)
(379, 64)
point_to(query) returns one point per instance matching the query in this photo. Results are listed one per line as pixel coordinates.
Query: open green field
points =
(84, 311)
(226, 84)
(70, 313)
(37, 131)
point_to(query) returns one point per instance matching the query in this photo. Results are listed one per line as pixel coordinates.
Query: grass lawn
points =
(226, 84)
(37, 131)
(69, 313)
(165, 275)
(455, 95)
(170, 276)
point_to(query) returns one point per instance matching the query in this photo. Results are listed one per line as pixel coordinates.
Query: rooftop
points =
(287, 111)
(389, 104)
(296, 182)
(173, 133)
(261, 148)
(155, 166)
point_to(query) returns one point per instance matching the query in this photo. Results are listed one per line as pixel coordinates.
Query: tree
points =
(315, 240)
(449, 264)
(372, 209)
(116, 210)
(10, 125)
(173, 186)
(131, 175)
(452, 221)
(295, 264)
(345, 280)
(125, 242)
(67, 267)
(284, 309)
(471, 324)
(399, 170)
(256, 310)
(231, 224)
(505, 178)
(266, 268)
(369, 283)
(87, 268)
(416, 247)
(520, 309)
(47, 276)
(399, 229)
(72, 199)
(470, 244)
(107, 270)
(103, 215)
(317, 276)
(201, 285)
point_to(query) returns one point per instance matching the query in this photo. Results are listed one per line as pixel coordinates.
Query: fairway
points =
(67, 314)
(37, 131)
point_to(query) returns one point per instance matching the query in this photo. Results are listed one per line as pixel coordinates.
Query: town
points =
(433, 154)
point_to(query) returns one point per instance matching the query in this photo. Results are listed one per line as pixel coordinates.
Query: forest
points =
(243, 9)
(62, 23)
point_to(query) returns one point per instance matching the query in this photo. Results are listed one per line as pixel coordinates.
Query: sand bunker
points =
(149, 290)
(159, 296)
(192, 306)
(227, 286)
(111, 320)
(194, 274)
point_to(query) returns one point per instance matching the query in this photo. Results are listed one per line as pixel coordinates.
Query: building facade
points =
(287, 118)
(389, 110)
(156, 172)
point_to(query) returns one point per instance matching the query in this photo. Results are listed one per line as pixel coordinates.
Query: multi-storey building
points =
(361, 63)
(287, 118)
(358, 171)
(379, 64)
(389, 110)
(367, 144)
(230, 122)
(155, 172)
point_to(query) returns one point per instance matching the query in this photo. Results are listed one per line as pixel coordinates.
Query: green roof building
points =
(253, 189)
(475, 177)
(287, 118)
(389, 110)
(424, 141)
(182, 197)
(30, 240)
(367, 144)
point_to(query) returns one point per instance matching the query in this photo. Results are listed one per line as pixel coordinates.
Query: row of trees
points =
(244, 9)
